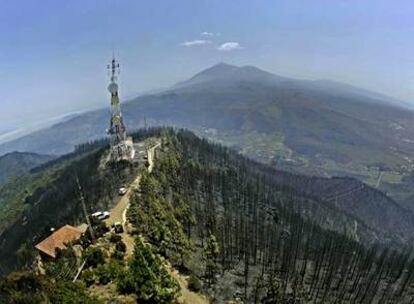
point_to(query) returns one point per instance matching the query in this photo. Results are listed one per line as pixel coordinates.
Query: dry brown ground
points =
(187, 296)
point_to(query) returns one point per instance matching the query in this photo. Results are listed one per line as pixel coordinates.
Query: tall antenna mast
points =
(121, 147)
(114, 68)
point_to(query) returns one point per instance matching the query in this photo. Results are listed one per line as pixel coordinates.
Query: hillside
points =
(238, 228)
(256, 240)
(48, 196)
(341, 204)
(17, 163)
(314, 127)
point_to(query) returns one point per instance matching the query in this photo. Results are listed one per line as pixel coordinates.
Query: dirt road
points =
(151, 156)
(118, 212)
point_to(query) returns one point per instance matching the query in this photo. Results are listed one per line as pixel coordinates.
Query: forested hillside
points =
(18, 163)
(240, 230)
(391, 222)
(253, 237)
(48, 197)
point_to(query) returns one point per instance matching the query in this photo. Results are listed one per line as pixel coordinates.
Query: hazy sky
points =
(53, 54)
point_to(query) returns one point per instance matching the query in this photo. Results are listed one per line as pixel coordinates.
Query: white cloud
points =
(229, 46)
(195, 42)
(207, 34)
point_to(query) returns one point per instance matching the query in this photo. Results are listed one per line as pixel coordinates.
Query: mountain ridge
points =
(298, 125)
(205, 211)
(214, 73)
(224, 70)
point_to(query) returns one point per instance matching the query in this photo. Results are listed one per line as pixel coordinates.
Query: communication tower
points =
(122, 147)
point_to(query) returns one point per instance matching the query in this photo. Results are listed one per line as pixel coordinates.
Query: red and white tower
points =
(122, 147)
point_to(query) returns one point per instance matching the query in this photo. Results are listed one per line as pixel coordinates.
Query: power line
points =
(82, 199)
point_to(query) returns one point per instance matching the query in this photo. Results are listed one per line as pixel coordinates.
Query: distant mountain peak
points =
(218, 70)
(231, 73)
(222, 65)
(222, 74)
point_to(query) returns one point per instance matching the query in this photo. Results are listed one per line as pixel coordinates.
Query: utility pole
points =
(85, 212)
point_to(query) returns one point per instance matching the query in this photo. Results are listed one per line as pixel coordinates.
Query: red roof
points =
(59, 239)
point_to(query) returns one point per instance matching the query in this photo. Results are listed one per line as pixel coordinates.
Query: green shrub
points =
(101, 229)
(30, 288)
(147, 278)
(120, 246)
(194, 283)
(88, 277)
(22, 287)
(94, 257)
(66, 292)
(117, 255)
(103, 275)
(115, 238)
(108, 272)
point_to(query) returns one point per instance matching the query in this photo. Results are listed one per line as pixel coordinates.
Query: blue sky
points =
(53, 54)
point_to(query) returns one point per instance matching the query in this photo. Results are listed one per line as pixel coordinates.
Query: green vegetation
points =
(94, 256)
(194, 283)
(153, 214)
(211, 255)
(108, 272)
(29, 288)
(49, 197)
(244, 220)
(13, 196)
(16, 164)
(147, 277)
(99, 270)
(65, 265)
(262, 146)
(142, 275)
(239, 229)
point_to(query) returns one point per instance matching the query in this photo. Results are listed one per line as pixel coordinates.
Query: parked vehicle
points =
(122, 191)
(104, 215)
(118, 227)
(100, 215)
(97, 214)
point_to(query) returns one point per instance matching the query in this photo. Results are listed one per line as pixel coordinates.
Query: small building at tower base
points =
(123, 150)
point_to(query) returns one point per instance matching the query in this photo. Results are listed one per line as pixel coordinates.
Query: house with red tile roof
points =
(59, 240)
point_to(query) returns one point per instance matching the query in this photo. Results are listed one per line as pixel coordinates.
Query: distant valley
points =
(9, 133)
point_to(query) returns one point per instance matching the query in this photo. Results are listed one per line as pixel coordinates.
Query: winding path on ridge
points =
(118, 214)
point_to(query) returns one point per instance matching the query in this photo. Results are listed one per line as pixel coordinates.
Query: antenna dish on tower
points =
(113, 88)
